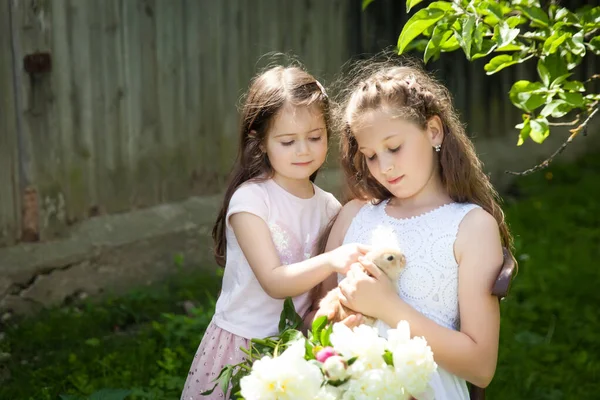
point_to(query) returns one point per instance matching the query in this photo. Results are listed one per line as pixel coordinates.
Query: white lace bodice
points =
(429, 283)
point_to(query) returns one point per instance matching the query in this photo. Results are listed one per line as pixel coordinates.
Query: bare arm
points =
(280, 281)
(335, 240)
(470, 353)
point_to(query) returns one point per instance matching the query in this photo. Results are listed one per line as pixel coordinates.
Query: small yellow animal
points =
(389, 260)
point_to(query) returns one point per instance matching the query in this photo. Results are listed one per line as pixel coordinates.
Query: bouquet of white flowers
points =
(332, 362)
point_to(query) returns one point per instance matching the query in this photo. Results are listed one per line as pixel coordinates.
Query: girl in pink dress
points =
(271, 218)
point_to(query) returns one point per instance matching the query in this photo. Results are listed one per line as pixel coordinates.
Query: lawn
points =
(144, 342)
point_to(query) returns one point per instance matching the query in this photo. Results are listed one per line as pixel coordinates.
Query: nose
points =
(386, 164)
(302, 147)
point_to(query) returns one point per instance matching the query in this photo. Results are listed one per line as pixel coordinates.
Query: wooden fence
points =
(138, 104)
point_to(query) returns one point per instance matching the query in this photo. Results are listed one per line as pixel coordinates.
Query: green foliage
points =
(509, 33)
(548, 337)
(141, 344)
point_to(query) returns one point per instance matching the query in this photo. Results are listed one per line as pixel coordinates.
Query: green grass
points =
(144, 342)
(550, 345)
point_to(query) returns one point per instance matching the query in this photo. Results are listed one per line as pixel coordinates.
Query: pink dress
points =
(243, 310)
(217, 348)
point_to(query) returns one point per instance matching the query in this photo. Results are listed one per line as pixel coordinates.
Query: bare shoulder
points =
(479, 239)
(343, 221)
(478, 221)
(349, 211)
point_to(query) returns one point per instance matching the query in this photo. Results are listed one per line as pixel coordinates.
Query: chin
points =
(402, 193)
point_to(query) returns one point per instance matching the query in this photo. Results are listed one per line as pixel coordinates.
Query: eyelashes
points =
(394, 150)
(291, 142)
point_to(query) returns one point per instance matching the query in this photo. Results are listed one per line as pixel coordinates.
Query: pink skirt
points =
(217, 349)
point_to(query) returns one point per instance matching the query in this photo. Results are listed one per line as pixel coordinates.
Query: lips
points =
(303, 164)
(395, 180)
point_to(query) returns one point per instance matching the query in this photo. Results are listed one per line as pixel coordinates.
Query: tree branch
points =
(574, 132)
(564, 123)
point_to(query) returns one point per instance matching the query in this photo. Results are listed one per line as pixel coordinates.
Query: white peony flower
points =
(335, 368)
(413, 359)
(362, 342)
(379, 383)
(329, 392)
(398, 336)
(288, 376)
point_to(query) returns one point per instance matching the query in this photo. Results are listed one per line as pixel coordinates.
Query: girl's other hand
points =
(342, 258)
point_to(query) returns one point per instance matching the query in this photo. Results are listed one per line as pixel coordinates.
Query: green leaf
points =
(556, 39)
(418, 45)
(576, 45)
(388, 357)
(410, 4)
(566, 16)
(440, 35)
(291, 335)
(289, 318)
(325, 333)
(510, 47)
(525, 128)
(556, 109)
(574, 86)
(543, 73)
(365, 4)
(417, 24)
(351, 360)
(554, 65)
(492, 7)
(555, 83)
(500, 62)
(480, 31)
(527, 95)
(515, 20)
(539, 130)
(571, 59)
(594, 45)
(590, 17)
(504, 34)
(574, 99)
(536, 15)
(318, 325)
(465, 37)
(450, 45)
(487, 47)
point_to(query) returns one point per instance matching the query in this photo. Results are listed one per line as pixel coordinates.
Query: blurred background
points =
(118, 127)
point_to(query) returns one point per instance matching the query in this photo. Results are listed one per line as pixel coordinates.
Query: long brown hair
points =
(269, 92)
(417, 97)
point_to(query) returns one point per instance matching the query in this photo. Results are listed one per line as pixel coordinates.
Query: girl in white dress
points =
(416, 179)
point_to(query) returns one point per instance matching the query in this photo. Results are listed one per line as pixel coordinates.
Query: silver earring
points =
(438, 148)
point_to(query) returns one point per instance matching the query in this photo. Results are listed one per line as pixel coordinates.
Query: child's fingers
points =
(353, 320)
(363, 248)
(331, 314)
(370, 267)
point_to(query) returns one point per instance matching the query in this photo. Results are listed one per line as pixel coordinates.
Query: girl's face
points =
(297, 142)
(399, 154)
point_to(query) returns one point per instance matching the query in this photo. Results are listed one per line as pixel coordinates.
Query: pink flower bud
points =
(325, 353)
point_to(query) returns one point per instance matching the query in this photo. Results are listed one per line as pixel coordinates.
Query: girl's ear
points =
(435, 130)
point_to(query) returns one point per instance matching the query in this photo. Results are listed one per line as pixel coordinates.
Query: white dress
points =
(429, 283)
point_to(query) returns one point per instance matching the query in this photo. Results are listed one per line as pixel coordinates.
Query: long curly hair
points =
(416, 96)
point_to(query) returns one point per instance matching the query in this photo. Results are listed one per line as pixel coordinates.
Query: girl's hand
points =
(351, 321)
(344, 256)
(367, 294)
